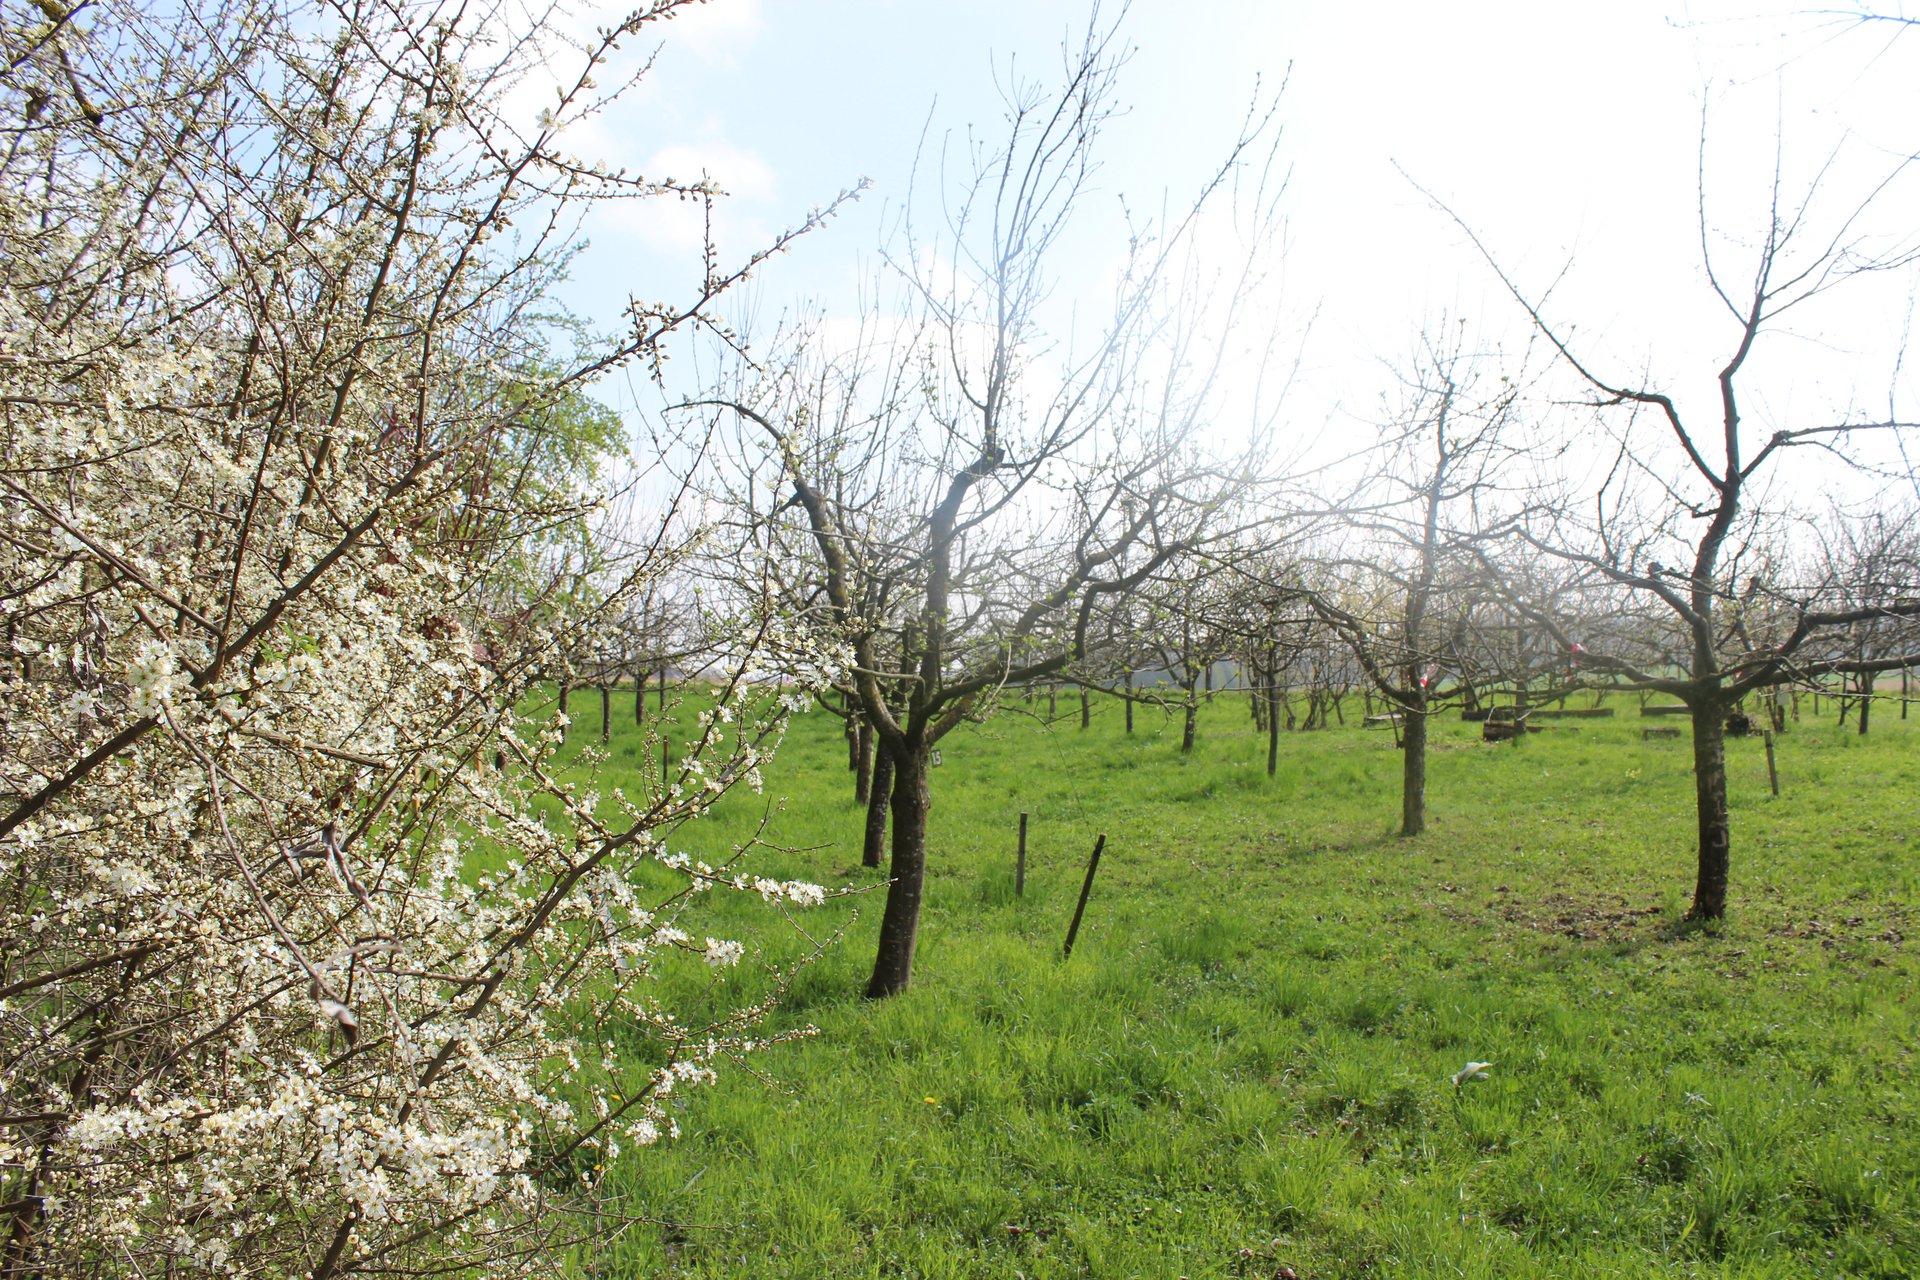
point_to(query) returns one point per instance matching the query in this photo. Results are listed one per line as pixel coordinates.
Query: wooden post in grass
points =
(1773, 775)
(1093, 865)
(1020, 862)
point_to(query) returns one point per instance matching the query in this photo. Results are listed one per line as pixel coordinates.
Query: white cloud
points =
(672, 226)
(716, 33)
(743, 174)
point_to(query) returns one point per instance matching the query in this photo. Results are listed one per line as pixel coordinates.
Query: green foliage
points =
(556, 438)
(550, 448)
(1247, 1062)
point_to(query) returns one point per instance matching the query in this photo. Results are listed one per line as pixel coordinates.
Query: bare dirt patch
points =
(1606, 917)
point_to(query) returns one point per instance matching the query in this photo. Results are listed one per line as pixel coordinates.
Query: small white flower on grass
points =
(721, 953)
(1472, 1071)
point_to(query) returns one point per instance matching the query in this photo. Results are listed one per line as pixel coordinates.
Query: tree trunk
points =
(566, 694)
(640, 697)
(1052, 692)
(863, 767)
(1413, 772)
(1272, 696)
(662, 699)
(1209, 682)
(1086, 711)
(900, 922)
(1866, 699)
(1129, 702)
(606, 711)
(1710, 800)
(879, 795)
(1187, 729)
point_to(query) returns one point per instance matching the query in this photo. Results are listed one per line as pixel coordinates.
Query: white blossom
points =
(268, 787)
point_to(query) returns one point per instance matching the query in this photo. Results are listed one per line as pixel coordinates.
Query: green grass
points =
(1246, 1063)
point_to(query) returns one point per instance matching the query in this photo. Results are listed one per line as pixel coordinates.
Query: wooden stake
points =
(1093, 865)
(1773, 775)
(1020, 862)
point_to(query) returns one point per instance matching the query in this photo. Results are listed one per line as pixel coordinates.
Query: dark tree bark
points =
(879, 797)
(1086, 711)
(1710, 797)
(566, 694)
(640, 697)
(1522, 680)
(1272, 697)
(606, 711)
(1413, 771)
(1129, 702)
(900, 922)
(1469, 693)
(863, 765)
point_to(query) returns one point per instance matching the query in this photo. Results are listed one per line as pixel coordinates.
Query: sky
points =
(1567, 138)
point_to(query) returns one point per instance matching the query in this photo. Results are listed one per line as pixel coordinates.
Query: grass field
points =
(1245, 1066)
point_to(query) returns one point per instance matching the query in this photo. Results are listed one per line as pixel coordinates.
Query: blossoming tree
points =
(294, 979)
